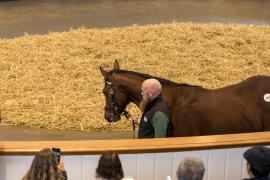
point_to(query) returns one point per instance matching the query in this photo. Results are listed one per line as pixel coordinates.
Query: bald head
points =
(151, 88)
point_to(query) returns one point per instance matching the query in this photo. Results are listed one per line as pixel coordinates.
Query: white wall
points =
(221, 164)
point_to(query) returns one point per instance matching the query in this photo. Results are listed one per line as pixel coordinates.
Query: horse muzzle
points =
(112, 118)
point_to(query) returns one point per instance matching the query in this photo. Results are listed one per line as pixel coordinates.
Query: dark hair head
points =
(259, 160)
(259, 172)
(44, 166)
(109, 166)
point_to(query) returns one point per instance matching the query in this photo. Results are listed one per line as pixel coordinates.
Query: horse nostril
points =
(111, 119)
(107, 117)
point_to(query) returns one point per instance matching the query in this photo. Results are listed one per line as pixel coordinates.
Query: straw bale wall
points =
(53, 81)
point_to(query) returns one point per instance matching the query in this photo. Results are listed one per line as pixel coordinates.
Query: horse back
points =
(234, 109)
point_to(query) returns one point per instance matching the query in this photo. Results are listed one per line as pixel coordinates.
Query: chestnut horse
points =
(239, 108)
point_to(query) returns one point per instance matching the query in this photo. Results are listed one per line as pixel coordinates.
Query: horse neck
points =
(131, 85)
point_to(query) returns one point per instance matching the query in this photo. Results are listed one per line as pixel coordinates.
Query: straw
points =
(53, 81)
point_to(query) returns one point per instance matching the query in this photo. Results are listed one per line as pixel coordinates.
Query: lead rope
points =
(128, 116)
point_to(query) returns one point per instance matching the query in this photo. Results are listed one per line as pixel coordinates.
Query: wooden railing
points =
(138, 145)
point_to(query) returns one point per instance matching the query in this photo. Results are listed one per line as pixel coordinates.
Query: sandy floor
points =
(8, 133)
(40, 17)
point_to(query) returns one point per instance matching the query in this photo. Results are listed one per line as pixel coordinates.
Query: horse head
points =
(116, 100)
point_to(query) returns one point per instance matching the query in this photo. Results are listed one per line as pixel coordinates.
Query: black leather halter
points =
(116, 108)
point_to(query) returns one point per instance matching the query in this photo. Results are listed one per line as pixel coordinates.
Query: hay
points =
(53, 81)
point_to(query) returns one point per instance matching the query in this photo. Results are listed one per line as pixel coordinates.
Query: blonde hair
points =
(44, 167)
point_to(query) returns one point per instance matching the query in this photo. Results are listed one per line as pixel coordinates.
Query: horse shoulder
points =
(186, 113)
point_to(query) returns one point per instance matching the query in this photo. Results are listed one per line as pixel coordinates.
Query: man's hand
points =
(136, 120)
(61, 165)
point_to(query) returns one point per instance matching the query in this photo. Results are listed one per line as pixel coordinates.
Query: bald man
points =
(155, 121)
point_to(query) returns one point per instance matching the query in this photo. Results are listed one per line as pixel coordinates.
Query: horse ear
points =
(116, 65)
(103, 72)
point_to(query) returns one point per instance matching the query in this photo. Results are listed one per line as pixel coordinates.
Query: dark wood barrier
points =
(138, 145)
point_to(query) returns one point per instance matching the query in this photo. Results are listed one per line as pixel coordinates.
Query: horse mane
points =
(147, 76)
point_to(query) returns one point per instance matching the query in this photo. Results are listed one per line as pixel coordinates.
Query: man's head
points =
(151, 88)
(258, 161)
(190, 168)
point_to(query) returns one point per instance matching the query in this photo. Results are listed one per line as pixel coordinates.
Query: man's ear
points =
(116, 65)
(103, 72)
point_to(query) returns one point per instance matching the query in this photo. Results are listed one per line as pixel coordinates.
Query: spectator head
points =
(44, 166)
(190, 168)
(109, 167)
(258, 161)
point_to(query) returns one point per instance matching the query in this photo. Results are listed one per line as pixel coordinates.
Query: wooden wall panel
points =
(234, 164)
(73, 165)
(221, 164)
(129, 163)
(89, 165)
(18, 164)
(163, 165)
(217, 162)
(4, 161)
(146, 169)
(131, 146)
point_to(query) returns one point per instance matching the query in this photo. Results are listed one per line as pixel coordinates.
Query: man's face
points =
(145, 93)
(146, 98)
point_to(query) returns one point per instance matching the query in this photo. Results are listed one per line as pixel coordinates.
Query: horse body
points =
(235, 109)
(198, 111)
